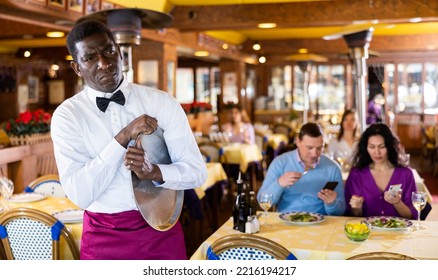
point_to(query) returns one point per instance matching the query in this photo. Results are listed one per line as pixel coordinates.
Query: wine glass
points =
(419, 202)
(265, 202)
(6, 190)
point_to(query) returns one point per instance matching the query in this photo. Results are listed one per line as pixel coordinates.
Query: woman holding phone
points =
(379, 163)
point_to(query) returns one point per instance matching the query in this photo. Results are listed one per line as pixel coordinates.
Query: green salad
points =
(388, 223)
(303, 217)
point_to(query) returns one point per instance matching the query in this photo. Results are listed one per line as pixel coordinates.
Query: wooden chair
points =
(380, 256)
(435, 163)
(262, 143)
(283, 128)
(205, 156)
(46, 164)
(247, 247)
(30, 234)
(47, 184)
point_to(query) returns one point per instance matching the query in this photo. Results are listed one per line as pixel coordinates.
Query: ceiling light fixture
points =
(262, 59)
(414, 20)
(256, 46)
(303, 50)
(267, 25)
(202, 53)
(225, 46)
(27, 53)
(69, 57)
(55, 34)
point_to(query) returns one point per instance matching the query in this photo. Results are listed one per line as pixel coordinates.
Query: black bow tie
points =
(102, 102)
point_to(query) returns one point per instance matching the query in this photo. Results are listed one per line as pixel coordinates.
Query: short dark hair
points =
(396, 153)
(84, 29)
(313, 130)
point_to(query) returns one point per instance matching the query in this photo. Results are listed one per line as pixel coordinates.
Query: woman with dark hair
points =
(348, 136)
(380, 162)
(239, 127)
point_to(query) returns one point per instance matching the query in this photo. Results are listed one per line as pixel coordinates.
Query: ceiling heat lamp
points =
(358, 44)
(126, 25)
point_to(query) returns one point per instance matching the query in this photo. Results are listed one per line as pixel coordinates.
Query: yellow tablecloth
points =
(215, 173)
(52, 205)
(242, 154)
(326, 240)
(276, 139)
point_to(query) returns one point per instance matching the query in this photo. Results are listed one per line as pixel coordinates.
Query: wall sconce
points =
(256, 46)
(262, 59)
(27, 53)
(53, 70)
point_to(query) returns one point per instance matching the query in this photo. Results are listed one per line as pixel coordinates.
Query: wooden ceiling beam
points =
(382, 44)
(301, 14)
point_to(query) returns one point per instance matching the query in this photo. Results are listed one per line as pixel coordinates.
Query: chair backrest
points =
(49, 185)
(380, 256)
(30, 234)
(283, 129)
(247, 247)
(205, 156)
(212, 149)
(261, 142)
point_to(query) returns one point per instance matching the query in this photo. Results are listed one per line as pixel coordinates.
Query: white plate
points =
(26, 197)
(403, 223)
(70, 216)
(317, 218)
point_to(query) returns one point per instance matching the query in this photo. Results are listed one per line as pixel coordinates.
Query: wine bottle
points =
(236, 204)
(242, 213)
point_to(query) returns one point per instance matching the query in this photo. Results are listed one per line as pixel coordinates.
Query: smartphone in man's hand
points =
(330, 185)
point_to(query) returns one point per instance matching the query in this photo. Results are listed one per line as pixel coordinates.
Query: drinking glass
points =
(265, 202)
(419, 202)
(6, 191)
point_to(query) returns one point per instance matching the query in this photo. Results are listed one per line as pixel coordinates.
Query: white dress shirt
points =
(90, 160)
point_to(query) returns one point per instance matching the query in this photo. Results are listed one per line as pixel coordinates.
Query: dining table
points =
(326, 240)
(53, 205)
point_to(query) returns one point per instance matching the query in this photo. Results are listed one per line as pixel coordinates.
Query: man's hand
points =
(288, 179)
(144, 124)
(328, 196)
(136, 160)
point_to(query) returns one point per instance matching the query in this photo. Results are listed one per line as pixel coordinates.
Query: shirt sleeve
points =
(270, 183)
(75, 166)
(188, 169)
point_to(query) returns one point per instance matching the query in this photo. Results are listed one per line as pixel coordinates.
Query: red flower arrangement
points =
(196, 107)
(29, 123)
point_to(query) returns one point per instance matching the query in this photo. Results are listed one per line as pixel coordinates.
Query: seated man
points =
(297, 178)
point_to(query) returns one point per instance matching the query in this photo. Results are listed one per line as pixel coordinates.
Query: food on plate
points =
(303, 217)
(385, 222)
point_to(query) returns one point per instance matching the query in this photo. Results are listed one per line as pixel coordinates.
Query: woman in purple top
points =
(379, 162)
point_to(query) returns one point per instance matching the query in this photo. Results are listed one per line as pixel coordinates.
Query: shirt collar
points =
(92, 93)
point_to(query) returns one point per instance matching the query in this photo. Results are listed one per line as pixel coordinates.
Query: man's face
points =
(310, 149)
(99, 62)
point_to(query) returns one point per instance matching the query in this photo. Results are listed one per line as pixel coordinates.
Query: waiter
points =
(93, 134)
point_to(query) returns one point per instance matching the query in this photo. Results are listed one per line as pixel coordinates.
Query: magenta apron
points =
(127, 236)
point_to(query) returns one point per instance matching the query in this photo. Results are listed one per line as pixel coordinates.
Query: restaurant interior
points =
(284, 62)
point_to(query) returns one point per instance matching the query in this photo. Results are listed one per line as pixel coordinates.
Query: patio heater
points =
(126, 25)
(358, 44)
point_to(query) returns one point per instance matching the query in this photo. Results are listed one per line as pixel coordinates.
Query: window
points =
(185, 92)
(409, 87)
(431, 89)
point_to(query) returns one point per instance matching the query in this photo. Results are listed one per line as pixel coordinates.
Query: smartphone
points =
(395, 189)
(330, 185)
